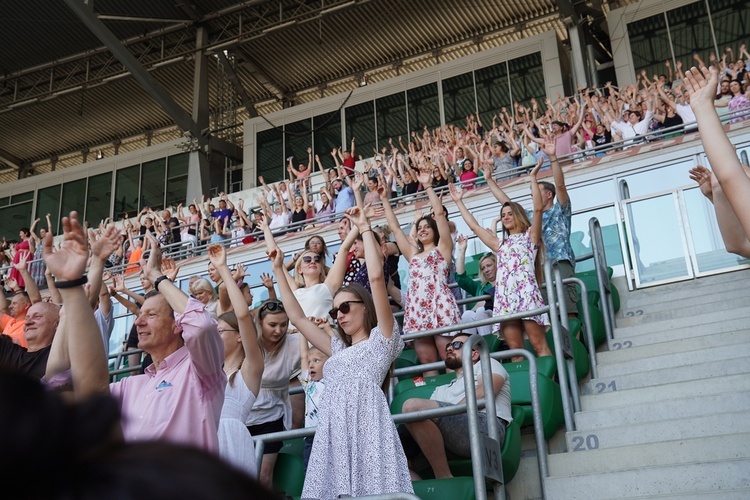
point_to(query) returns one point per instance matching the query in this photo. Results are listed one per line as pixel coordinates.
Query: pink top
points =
(181, 402)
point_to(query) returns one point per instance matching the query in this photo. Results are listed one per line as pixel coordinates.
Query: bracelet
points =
(366, 230)
(159, 280)
(72, 283)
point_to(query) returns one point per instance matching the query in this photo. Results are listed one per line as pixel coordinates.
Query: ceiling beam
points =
(11, 160)
(143, 77)
(237, 84)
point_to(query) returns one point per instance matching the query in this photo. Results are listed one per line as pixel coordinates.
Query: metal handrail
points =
(602, 275)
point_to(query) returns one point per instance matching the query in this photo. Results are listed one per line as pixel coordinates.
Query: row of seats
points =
(289, 470)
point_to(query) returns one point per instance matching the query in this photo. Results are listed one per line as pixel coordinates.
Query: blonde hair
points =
(203, 284)
(298, 278)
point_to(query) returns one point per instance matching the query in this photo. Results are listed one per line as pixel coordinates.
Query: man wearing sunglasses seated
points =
(434, 437)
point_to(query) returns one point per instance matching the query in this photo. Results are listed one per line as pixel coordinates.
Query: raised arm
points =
(32, 290)
(402, 241)
(701, 85)
(536, 196)
(88, 364)
(488, 239)
(561, 190)
(294, 311)
(445, 245)
(270, 246)
(336, 275)
(496, 190)
(252, 366)
(101, 248)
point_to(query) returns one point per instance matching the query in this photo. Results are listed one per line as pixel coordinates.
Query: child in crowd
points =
(311, 378)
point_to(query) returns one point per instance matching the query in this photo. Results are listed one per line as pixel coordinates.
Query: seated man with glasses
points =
(433, 437)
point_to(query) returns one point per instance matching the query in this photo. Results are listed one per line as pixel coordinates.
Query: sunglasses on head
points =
(310, 258)
(271, 306)
(345, 307)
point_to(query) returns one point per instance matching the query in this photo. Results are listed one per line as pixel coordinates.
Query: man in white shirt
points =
(632, 125)
(451, 433)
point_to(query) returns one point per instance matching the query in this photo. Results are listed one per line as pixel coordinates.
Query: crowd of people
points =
(218, 371)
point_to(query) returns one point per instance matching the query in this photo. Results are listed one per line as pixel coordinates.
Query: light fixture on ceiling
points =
(99, 154)
(334, 8)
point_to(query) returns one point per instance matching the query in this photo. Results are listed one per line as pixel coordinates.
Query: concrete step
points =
(689, 307)
(680, 290)
(721, 368)
(708, 404)
(682, 451)
(664, 392)
(659, 331)
(714, 424)
(674, 360)
(650, 300)
(621, 353)
(740, 494)
(673, 480)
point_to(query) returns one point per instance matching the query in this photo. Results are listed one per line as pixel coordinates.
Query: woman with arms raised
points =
(356, 450)
(242, 356)
(429, 302)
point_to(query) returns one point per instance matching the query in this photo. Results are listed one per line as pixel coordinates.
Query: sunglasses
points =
(454, 346)
(310, 258)
(345, 307)
(271, 306)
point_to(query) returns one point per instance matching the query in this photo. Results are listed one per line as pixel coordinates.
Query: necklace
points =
(360, 340)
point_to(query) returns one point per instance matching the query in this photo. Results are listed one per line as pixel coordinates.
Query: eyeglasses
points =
(227, 330)
(310, 258)
(454, 346)
(345, 307)
(271, 306)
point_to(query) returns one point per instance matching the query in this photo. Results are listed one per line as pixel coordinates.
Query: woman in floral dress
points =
(429, 302)
(519, 258)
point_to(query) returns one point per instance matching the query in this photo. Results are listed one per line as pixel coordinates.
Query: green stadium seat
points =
(406, 389)
(545, 365)
(580, 354)
(293, 446)
(589, 279)
(493, 343)
(406, 359)
(289, 474)
(550, 401)
(455, 488)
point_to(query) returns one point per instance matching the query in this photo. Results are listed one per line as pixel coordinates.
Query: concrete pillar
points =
(578, 55)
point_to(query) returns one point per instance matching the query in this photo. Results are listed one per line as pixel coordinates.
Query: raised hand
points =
(267, 280)
(119, 283)
(550, 147)
(425, 178)
(357, 217)
(704, 178)
(23, 257)
(106, 244)
(217, 255)
(701, 86)
(152, 266)
(69, 262)
(536, 168)
(359, 179)
(169, 268)
(456, 193)
(463, 243)
(238, 273)
(276, 256)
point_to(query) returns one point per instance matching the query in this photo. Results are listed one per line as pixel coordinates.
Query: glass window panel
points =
(19, 198)
(731, 20)
(592, 195)
(690, 32)
(177, 178)
(48, 202)
(424, 107)
(492, 90)
(580, 238)
(269, 158)
(710, 252)
(99, 197)
(527, 79)
(658, 252)
(649, 44)
(664, 178)
(126, 191)
(14, 217)
(298, 138)
(152, 184)
(391, 117)
(458, 99)
(74, 197)
(327, 135)
(360, 125)
(4, 201)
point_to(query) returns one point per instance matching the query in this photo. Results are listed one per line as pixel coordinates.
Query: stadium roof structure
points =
(116, 75)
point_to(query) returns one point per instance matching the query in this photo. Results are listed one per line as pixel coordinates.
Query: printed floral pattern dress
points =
(516, 289)
(429, 302)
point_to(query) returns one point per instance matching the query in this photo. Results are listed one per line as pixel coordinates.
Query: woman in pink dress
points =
(519, 262)
(25, 245)
(429, 302)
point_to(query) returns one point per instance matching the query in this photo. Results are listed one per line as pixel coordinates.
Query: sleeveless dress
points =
(235, 443)
(516, 288)
(429, 302)
(357, 450)
(315, 301)
(21, 247)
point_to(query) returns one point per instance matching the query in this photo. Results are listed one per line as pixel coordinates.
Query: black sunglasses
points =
(310, 258)
(455, 345)
(271, 306)
(345, 307)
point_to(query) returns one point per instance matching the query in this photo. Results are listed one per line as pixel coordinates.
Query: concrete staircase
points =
(669, 415)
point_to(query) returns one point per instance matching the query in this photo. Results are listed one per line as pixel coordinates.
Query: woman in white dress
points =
(356, 451)
(243, 364)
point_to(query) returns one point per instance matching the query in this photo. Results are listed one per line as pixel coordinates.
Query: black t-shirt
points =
(602, 139)
(411, 187)
(174, 222)
(16, 358)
